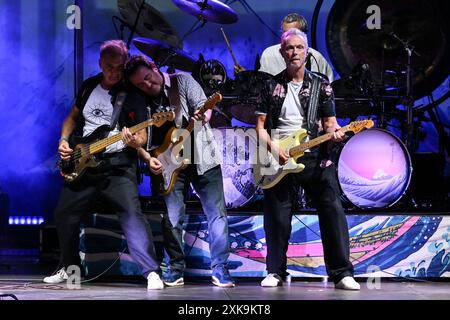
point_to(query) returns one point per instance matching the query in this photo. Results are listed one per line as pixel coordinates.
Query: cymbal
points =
(164, 54)
(420, 23)
(151, 23)
(208, 10)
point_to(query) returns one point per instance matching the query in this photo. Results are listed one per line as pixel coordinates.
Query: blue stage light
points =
(25, 220)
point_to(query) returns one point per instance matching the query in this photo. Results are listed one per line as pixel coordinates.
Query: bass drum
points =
(374, 169)
(239, 153)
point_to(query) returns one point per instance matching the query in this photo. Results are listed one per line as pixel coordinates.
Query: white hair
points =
(294, 32)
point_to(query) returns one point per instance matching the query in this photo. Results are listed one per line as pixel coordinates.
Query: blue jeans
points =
(209, 188)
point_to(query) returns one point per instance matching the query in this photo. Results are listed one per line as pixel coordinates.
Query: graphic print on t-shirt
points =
(97, 112)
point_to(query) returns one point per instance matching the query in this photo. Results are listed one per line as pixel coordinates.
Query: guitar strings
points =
(77, 154)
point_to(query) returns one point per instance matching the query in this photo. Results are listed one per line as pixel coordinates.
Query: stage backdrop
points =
(37, 78)
(380, 246)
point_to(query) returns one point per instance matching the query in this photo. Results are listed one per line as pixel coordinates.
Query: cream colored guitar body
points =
(268, 172)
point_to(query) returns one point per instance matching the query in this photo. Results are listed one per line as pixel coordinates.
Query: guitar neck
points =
(102, 144)
(298, 150)
(202, 110)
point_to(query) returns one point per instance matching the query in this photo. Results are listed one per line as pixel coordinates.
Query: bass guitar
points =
(86, 148)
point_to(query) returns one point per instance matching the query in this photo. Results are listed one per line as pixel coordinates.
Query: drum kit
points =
(371, 86)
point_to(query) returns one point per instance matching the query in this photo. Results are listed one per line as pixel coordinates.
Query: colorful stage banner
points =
(380, 246)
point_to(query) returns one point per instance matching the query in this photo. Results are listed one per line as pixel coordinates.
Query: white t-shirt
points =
(97, 112)
(292, 115)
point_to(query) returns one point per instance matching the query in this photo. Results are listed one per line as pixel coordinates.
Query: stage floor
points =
(30, 288)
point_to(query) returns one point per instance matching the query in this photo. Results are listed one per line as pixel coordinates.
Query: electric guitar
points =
(169, 153)
(268, 171)
(86, 148)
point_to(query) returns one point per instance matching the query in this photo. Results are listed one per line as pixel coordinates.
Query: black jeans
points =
(320, 185)
(117, 186)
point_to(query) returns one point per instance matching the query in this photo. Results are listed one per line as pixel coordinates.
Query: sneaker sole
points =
(347, 288)
(177, 283)
(155, 288)
(52, 282)
(280, 284)
(216, 282)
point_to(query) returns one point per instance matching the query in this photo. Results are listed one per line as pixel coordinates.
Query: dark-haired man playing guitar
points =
(183, 92)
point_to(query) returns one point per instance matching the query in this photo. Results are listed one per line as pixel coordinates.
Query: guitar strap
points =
(313, 105)
(118, 103)
(174, 99)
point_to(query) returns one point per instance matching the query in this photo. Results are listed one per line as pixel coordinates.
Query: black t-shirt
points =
(157, 134)
(134, 108)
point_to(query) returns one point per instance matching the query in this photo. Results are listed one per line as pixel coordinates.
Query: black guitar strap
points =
(313, 105)
(117, 109)
(174, 99)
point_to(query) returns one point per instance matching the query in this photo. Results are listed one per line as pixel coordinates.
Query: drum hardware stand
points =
(123, 24)
(171, 54)
(409, 101)
(193, 28)
(444, 141)
(133, 30)
(248, 8)
(381, 120)
(222, 113)
(200, 18)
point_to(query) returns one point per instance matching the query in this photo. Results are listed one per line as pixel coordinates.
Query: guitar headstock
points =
(357, 126)
(212, 100)
(160, 118)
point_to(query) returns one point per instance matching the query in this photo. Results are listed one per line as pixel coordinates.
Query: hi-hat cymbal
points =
(151, 23)
(165, 55)
(208, 10)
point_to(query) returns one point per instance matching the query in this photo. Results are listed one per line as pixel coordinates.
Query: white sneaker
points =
(154, 282)
(347, 283)
(59, 277)
(272, 280)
